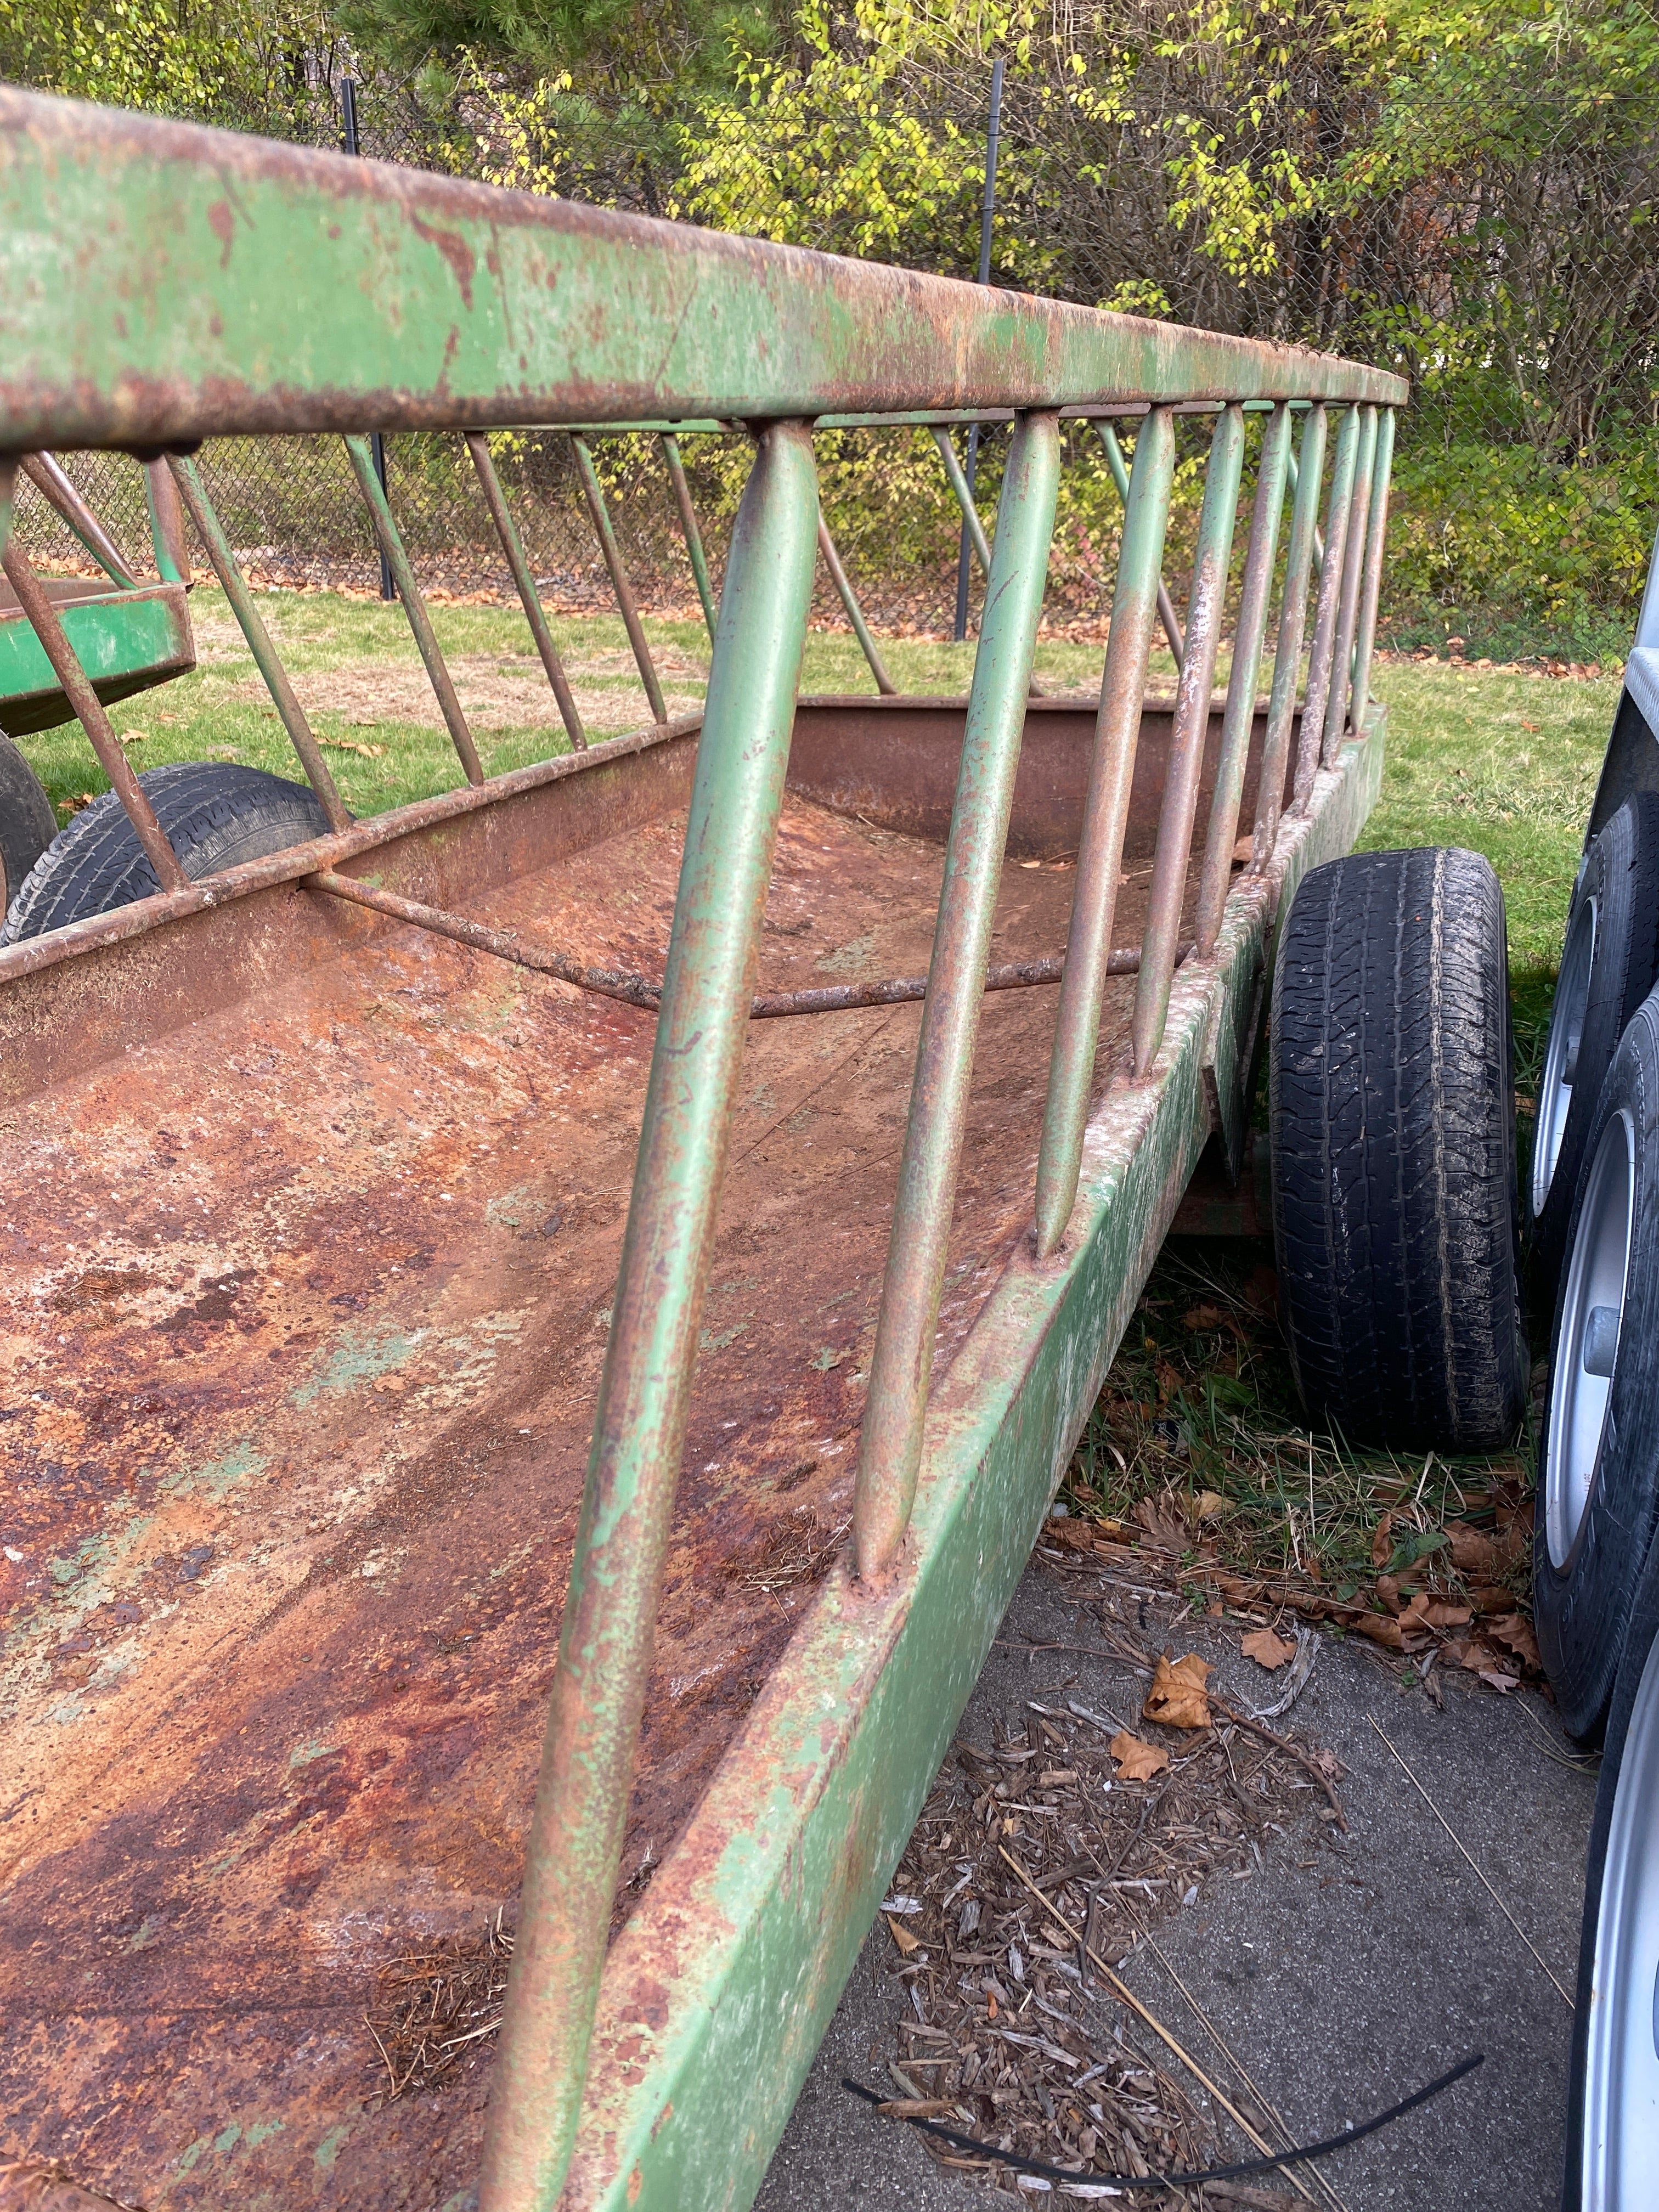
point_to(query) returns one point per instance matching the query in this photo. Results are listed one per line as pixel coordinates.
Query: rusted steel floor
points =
(302, 1310)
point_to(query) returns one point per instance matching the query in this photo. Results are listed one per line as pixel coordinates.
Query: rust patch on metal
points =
(303, 1298)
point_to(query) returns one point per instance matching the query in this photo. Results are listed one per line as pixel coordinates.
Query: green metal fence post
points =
(593, 493)
(361, 455)
(1287, 652)
(609, 1613)
(671, 453)
(889, 1451)
(1105, 820)
(211, 532)
(1192, 719)
(1348, 609)
(1166, 613)
(842, 582)
(529, 597)
(1317, 694)
(1376, 534)
(964, 497)
(1240, 716)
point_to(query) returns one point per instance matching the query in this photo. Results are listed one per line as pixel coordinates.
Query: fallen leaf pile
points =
(1195, 1469)
(1013, 2033)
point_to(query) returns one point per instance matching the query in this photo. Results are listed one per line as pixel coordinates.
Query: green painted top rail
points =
(161, 284)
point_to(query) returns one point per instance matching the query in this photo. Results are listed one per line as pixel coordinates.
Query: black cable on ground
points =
(1238, 2172)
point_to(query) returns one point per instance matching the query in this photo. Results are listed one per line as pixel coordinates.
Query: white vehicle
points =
(1593, 1209)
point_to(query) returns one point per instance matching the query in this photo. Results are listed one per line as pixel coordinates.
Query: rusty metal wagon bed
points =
(448, 1338)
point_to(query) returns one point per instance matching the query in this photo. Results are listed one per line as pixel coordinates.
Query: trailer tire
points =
(1609, 962)
(1619, 1941)
(1392, 1121)
(27, 823)
(216, 814)
(1598, 1458)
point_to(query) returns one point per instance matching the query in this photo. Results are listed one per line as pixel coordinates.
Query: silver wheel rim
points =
(1560, 1060)
(1621, 2068)
(1592, 1320)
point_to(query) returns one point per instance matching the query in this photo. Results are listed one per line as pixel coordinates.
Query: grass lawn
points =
(1199, 1413)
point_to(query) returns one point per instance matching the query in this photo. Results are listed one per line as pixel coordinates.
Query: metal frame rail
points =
(263, 287)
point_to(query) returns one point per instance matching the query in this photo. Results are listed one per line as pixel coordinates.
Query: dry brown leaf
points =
(901, 1935)
(1440, 1613)
(1499, 1680)
(1382, 1541)
(1163, 1529)
(1137, 1761)
(1206, 1316)
(1380, 1628)
(1210, 1505)
(1493, 1597)
(1178, 1696)
(1514, 1631)
(1267, 1650)
(1389, 1590)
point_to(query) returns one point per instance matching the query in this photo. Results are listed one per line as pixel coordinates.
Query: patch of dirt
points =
(497, 692)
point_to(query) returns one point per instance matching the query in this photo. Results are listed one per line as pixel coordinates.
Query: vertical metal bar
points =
(1347, 611)
(44, 472)
(963, 487)
(1166, 613)
(971, 522)
(842, 583)
(77, 689)
(529, 599)
(671, 453)
(1287, 652)
(1186, 738)
(889, 1451)
(1365, 639)
(1318, 539)
(1317, 696)
(1216, 876)
(593, 493)
(420, 621)
(183, 475)
(986, 212)
(1105, 820)
(8, 494)
(377, 443)
(377, 455)
(167, 524)
(605, 1643)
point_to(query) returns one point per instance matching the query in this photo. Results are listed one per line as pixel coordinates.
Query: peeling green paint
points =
(330, 2148)
(354, 1362)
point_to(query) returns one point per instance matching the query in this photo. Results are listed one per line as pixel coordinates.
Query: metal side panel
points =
(126, 642)
(720, 1989)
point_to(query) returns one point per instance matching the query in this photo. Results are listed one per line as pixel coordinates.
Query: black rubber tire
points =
(27, 823)
(1638, 1645)
(1620, 880)
(1392, 1132)
(1582, 1608)
(216, 814)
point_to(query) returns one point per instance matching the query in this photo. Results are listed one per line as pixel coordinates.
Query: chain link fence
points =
(295, 517)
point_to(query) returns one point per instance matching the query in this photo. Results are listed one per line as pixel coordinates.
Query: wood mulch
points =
(1015, 2033)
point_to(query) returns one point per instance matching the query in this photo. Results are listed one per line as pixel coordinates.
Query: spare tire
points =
(1392, 1126)
(216, 814)
(1609, 962)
